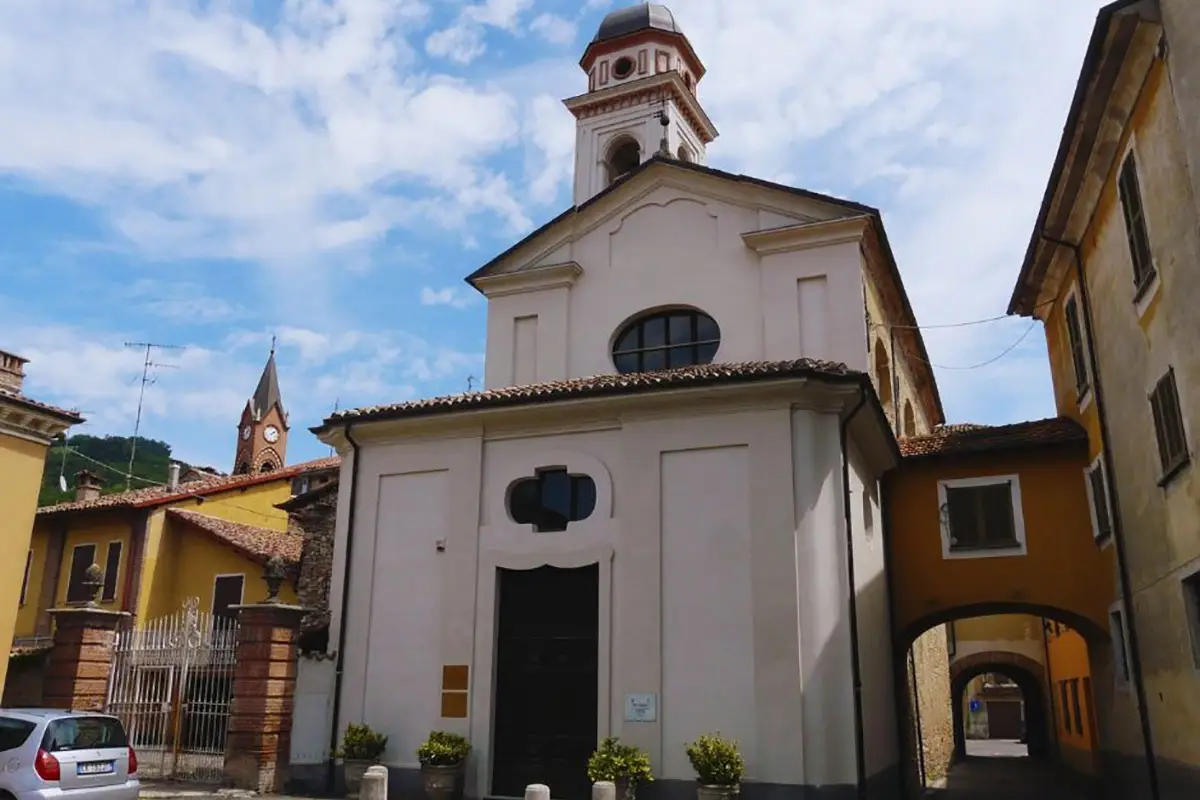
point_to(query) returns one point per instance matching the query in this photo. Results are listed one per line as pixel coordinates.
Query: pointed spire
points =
(267, 394)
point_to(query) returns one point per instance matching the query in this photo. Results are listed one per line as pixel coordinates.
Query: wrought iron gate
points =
(171, 684)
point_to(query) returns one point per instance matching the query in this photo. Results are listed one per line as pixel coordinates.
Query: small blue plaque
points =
(976, 706)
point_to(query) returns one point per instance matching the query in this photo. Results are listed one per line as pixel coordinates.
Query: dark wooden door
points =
(547, 671)
(1004, 719)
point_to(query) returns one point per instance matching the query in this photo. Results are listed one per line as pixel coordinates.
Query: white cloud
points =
(463, 41)
(208, 387)
(183, 303)
(449, 296)
(553, 28)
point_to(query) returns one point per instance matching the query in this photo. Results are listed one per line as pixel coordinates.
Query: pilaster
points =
(81, 661)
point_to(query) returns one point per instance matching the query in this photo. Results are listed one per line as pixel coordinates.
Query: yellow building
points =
(199, 536)
(1113, 271)
(26, 430)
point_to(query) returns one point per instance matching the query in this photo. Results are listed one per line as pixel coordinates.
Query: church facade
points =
(660, 517)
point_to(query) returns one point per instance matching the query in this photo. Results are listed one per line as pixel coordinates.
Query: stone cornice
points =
(807, 235)
(641, 91)
(29, 421)
(536, 279)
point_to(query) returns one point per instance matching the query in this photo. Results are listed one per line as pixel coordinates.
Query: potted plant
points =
(361, 748)
(719, 767)
(623, 764)
(442, 757)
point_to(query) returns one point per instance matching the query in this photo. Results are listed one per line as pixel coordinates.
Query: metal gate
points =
(171, 684)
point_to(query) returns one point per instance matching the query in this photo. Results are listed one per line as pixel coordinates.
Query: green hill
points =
(151, 464)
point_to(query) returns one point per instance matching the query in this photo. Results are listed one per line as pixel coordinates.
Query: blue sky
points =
(210, 173)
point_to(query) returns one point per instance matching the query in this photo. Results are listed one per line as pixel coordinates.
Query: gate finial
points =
(273, 576)
(93, 582)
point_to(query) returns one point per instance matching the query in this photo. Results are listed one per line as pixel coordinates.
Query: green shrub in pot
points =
(719, 766)
(623, 764)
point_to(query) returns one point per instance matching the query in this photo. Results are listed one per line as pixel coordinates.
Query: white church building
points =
(659, 517)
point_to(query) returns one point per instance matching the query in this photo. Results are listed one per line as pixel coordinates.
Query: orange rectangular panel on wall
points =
(454, 677)
(643, 61)
(454, 705)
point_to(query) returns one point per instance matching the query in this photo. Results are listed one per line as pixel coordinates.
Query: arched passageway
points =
(1030, 678)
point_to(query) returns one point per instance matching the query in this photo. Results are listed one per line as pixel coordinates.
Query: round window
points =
(666, 340)
(623, 67)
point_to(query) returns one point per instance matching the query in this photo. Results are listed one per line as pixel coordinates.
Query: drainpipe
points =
(855, 666)
(916, 695)
(331, 769)
(1050, 684)
(899, 676)
(1118, 527)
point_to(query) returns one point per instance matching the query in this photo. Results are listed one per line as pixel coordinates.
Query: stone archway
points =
(1030, 677)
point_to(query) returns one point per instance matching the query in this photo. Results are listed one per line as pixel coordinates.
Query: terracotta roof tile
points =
(16, 397)
(600, 386)
(261, 544)
(971, 438)
(151, 496)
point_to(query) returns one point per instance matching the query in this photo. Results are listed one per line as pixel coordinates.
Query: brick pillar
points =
(258, 746)
(81, 659)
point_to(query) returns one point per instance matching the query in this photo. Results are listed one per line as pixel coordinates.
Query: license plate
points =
(95, 768)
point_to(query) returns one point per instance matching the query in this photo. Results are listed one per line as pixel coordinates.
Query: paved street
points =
(1000, 770)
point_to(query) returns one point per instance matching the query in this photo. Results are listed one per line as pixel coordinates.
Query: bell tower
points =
(263, 429)
(641, 98)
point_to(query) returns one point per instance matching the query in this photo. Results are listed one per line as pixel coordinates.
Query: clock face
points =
(246, 433)
(271, 433)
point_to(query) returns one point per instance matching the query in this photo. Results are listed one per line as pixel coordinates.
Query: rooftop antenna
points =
(470, 382)
(336, 400)
(147, 363)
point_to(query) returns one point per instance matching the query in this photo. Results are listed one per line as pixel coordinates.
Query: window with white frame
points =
(1116, 623)
(1135, 225)
(1097, 489)
(1075, 341)
(981, 516)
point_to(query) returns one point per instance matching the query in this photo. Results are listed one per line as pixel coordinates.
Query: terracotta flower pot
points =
(442, 782)
(718, 792)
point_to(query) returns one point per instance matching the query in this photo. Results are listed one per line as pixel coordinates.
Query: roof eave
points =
(1019, 303)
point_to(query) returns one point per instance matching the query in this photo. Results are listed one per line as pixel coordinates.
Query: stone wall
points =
(928, 707)
(312, 517)
(23, 685)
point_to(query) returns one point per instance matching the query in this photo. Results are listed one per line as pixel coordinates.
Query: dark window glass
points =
(227, 591)
(84, 733)
(1191, 601)
(981, 517)
(1064, 707)
(552, 500)
(25, 580)
(1075, 337)
(667, 341)
(1135, 224)
(14, 733)
(112, 568)
(1168, 424)
(82, 557)
(1075, 706)
(1100, 502)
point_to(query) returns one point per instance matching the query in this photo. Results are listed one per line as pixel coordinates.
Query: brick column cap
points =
(281, 612)
(89, 617)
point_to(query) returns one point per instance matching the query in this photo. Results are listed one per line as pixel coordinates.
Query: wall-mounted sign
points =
(641, 707)
(976, 706)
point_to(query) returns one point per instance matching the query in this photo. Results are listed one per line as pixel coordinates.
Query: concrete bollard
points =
(374, 784)
(604, 790)
(537, 791)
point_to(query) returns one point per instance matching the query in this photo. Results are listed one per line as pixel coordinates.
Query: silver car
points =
(49, 754)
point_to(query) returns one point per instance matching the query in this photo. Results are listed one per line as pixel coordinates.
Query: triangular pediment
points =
(657, 182)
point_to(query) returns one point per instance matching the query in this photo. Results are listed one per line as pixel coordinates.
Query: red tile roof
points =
(967, 438)
(601, 386)
(63, 414)
(260, 544)
(160, 495)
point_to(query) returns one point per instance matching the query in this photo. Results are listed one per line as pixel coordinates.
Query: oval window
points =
(622, 67)
(666, 340)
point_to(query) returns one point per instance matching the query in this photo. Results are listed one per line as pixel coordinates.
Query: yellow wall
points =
(28, 612)
(181, 565)
(1069, 662)
(901, 366)
(21, 464)
(1063, 568)
(99, 531)
(998, 628)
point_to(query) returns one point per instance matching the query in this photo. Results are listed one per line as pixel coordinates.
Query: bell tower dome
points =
(263, 428)
(641, 99)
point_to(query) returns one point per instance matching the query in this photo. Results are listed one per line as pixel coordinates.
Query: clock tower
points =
(263, 430)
